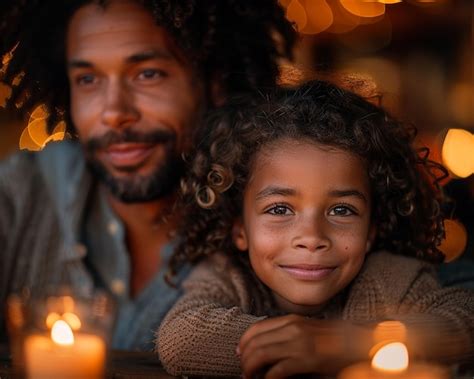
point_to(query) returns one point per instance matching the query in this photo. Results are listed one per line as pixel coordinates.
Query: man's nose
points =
(312, 234)
(119, 110)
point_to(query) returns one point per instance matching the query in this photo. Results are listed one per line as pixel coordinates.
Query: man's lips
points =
(127, 154)
(308, 272)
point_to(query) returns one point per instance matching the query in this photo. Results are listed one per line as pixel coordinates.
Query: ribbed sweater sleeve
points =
(200, 334)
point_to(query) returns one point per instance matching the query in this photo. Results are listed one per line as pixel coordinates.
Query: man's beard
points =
(135, 188)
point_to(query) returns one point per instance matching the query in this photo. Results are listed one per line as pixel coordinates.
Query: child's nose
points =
(313, 236)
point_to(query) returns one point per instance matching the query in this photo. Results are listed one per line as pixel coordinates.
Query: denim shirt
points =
(95, 239)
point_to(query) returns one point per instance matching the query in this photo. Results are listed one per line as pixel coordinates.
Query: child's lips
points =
(308, 272)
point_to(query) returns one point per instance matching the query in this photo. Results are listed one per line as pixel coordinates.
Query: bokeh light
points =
(38, 131)
(344, 21)
(297, 14)
(27, 143)
(456, 240)
(319, 16)
(458, 152)
(36, 135)
(364, 8)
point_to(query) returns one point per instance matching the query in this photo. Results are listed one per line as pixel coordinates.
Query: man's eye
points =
(341, 210)
(86, 79)
(151, 74)
(279, 210)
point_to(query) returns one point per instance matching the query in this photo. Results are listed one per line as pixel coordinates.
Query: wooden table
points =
(121, 365)
(134, 365)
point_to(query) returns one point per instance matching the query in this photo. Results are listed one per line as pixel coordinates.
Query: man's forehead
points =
(123, 28)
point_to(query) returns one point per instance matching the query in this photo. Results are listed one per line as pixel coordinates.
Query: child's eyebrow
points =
(275, 190)
(348, 192)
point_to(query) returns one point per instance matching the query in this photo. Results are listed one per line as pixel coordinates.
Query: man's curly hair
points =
(406, 197)
(236, 41)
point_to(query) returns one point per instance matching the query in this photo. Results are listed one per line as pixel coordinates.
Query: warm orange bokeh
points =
(456, 240)
(458, 152)
(364, 8)
(36, 135)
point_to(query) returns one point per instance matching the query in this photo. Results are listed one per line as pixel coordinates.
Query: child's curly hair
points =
(407, 199)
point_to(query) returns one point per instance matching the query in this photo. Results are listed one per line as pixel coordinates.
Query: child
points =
(295, 198)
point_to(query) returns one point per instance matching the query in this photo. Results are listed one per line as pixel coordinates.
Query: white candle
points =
(391, 362)
(83, 356)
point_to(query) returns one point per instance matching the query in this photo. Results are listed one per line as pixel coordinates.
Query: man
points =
(132, 79)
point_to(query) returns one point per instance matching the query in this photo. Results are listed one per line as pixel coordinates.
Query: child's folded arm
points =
(200, 334)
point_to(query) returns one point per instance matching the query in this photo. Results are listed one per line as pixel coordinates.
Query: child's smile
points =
(306, 222)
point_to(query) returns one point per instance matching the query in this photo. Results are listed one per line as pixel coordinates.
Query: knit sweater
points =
(222, 299)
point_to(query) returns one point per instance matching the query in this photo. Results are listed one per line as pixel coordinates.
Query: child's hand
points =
(289, 345)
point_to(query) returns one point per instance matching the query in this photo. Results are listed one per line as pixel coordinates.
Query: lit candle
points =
(64, 354)
(391, 362)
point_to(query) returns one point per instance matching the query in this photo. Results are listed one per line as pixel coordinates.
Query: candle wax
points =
(44, 359)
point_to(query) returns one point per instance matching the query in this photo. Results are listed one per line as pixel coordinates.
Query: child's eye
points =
(151, 73)
(279, 210)
(341, 210)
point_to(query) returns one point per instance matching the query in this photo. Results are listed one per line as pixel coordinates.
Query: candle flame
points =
(62, 334)
(393, 357)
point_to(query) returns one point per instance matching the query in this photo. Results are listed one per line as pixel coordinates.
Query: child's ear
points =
(239, 236)
(371, 237)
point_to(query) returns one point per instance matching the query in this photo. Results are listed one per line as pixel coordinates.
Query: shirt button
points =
(113, 228)
(80, 250)
(118, 286)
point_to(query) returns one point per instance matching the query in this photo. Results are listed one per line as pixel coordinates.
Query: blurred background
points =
(415, 57)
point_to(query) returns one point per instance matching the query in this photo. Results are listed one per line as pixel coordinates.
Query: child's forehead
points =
(296, 145)
(292, 154)
(308, 170)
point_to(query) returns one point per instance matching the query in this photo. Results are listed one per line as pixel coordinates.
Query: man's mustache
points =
(113, 137)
